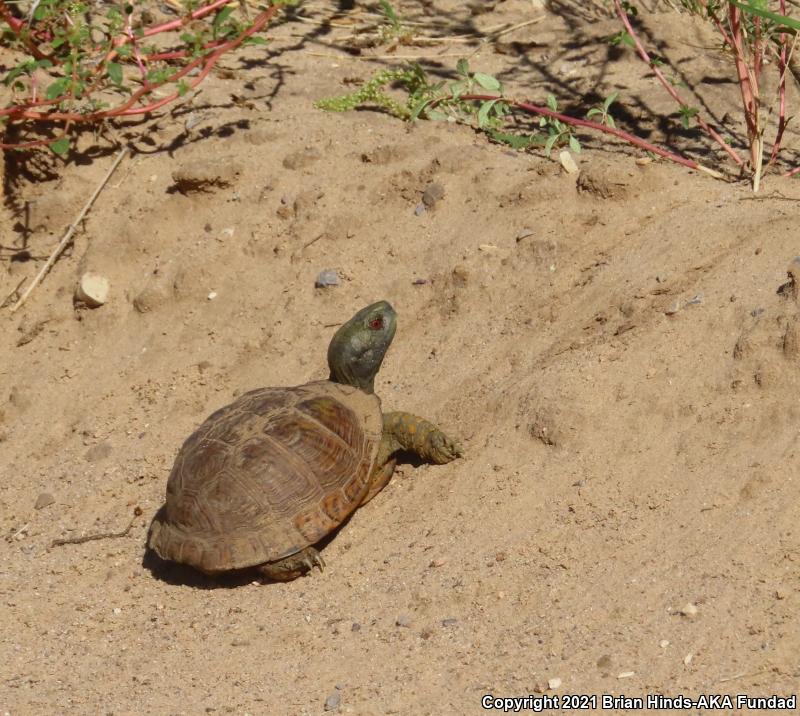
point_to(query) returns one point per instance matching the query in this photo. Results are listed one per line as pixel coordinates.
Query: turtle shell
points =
(268, 475)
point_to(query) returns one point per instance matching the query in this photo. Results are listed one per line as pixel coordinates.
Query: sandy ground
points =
(610, 347)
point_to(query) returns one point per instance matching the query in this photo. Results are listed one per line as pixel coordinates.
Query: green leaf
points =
(462, 67)
(592, 112)
(40, 13)
(610, 100)
(778, 19)
(437, 116)
(484, 111)
(114, 71)
(512, 140)
(575, 145)
(60, 146)
(57, 88)
(253, 40)
(551, 103)
(548, 145)
(610, 122)
(487, 81)
(418, 109)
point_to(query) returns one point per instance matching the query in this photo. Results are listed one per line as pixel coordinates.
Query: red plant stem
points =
(589, 124)
(127, 108)
(669, 88)
(791, 173)
(17, 27)
(747, 90)
(781, 93)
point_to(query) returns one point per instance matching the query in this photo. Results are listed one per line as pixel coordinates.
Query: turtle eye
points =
(376, 323)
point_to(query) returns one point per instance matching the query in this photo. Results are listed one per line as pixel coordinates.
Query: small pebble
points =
(626, 674)
(43, 501)
(690, 610)
(355, 627)
(333, 701)
(211, 296)
(673, 308)
(524, 234)
(92, 289)
(419, 209)
(449, 622)
(487, 248)
(432, 195)
(436, 563)
(419, 282)
(554, 683)
(403, 621)
(117, 610)
(664, 643)
(694, 301)
(688, 659)
(327, 277)
(228, 233)
(780, 594)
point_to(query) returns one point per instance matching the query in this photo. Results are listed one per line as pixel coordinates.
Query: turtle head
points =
(358, 347)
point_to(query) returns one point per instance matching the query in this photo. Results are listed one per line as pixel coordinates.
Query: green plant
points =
(461, 101)
(74, 67)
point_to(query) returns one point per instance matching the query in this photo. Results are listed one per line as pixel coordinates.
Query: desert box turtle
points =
(267, 477)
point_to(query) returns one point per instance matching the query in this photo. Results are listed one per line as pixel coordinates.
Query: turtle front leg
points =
(293, 566)
(421, 437)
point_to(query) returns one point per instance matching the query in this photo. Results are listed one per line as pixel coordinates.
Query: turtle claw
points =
(312, 558)
(443, 449)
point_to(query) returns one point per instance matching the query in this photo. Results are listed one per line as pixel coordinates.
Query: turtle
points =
(264, 479)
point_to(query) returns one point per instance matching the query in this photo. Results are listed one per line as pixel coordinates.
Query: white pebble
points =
(554, 683)
(688, 659)
(664, 643)
(570, 167)
(117, 610)
(626, 674)
(92, 289)
(212, 295)
(690, 610)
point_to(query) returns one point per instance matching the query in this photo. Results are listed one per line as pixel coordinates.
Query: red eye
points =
(376, 323)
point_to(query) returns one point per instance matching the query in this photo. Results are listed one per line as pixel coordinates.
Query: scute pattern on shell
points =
(271, 473)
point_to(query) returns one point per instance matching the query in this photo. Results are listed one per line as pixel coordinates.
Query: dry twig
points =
(70, 231)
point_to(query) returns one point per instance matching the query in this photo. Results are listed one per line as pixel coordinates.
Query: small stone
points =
(487, 248)
(92, 290)
(779, 593)
(327, 277)
(44, 500)
(436, 563)
(333, 701)
(664, 643)
(227, 232)
(626, 674)
(355, 627)
(524, 234)
(450, 621)
(117, 610)
(688, 659)
(690, 610)
(404, 620)
(432, 195)
(211, 296)
(553, 683)
(419, 209)
(673, 308)
(567, 162)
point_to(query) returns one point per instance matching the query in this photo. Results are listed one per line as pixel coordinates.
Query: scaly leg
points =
(421, 437)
